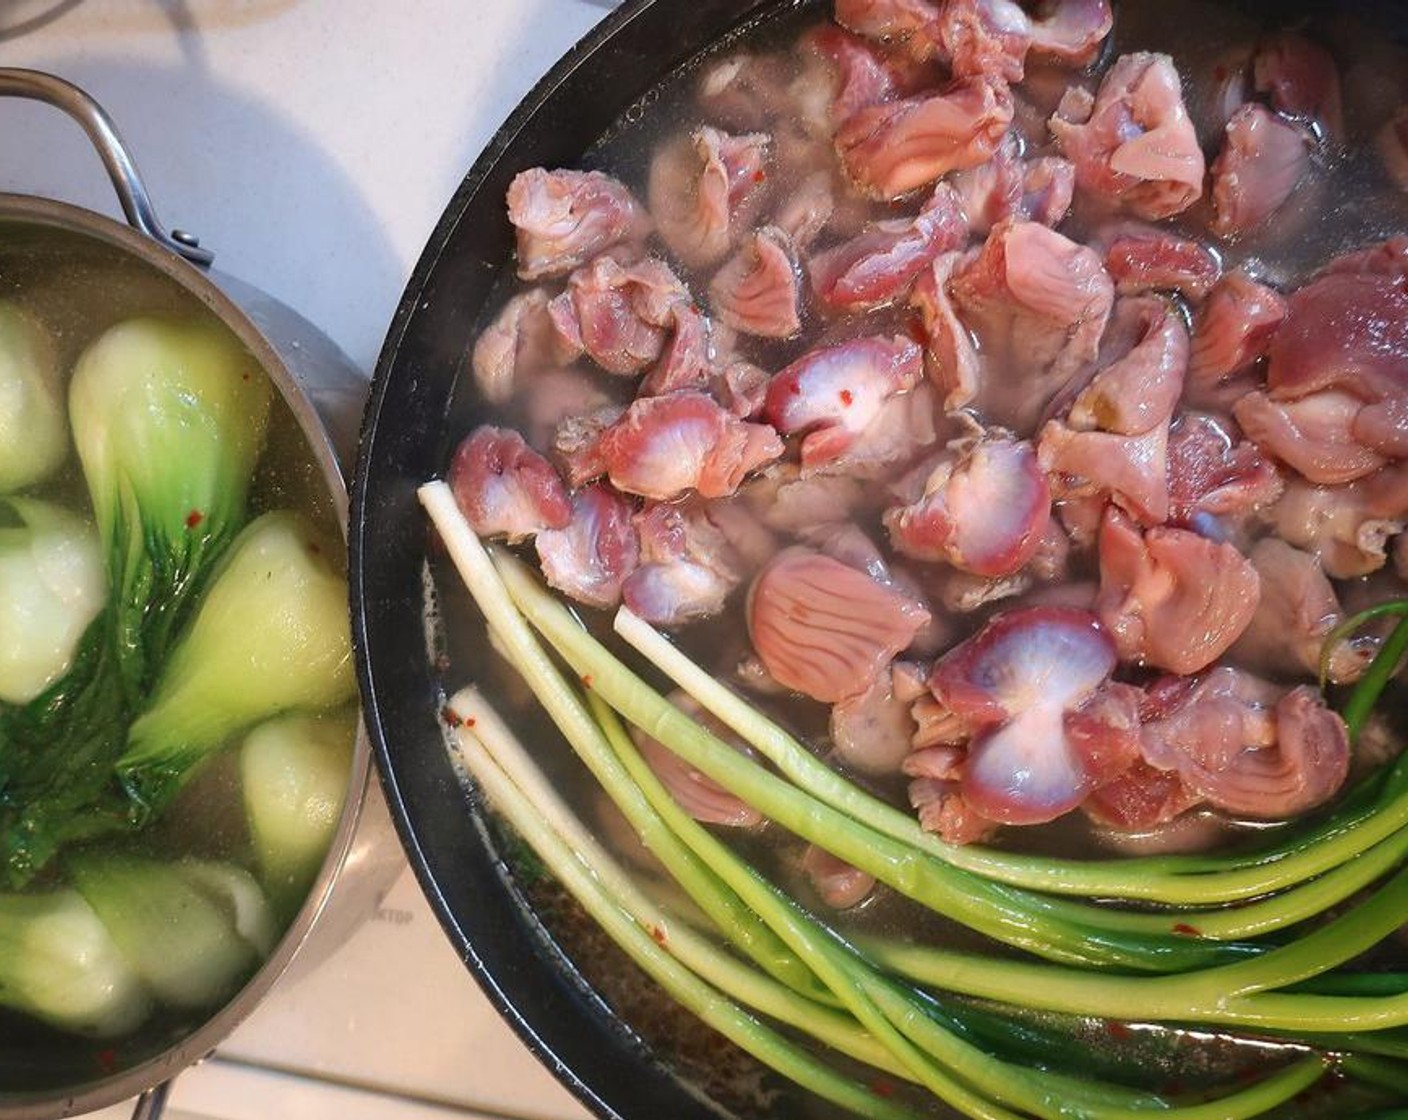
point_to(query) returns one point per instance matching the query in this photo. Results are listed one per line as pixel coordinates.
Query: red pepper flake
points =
(882, 1088)
(658, 935)
(451, 717)
(586, 680)
(759, 175)
(1186, 930)
(847, 398)
(194, 518)
(1116, 1030)
(106, 1059)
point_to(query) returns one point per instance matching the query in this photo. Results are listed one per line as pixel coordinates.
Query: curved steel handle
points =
(152, 1103)
(122, 169)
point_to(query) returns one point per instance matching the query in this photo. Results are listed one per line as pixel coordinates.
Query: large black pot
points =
(419, 407)
(405, 440)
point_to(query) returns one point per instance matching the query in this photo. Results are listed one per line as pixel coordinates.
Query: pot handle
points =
(122, 169)
(152, 1104)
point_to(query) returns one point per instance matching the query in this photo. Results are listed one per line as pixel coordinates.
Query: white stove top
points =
(312, 144)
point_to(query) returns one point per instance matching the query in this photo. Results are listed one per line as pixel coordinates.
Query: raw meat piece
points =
(1037, 303)
(984, 510)
(1071, 31)
(880, 263)
(1172, 599)
(1132, 142)
(1302, 80)
(520, 342)
(701, 189)
(825, 629)
(1247, 748)
(1263, 160)
(591, 557)
(505, 488)
(1233, 328)
(687, 565)
(832, 394)
(893, 148)
(565, 218)
(756, 292)
(665, 446)
(696, 793)
(1150, 259)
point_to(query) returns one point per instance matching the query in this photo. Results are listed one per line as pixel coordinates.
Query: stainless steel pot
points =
(324, 392)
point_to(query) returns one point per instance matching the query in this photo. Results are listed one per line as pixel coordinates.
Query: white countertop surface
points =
(312, 144)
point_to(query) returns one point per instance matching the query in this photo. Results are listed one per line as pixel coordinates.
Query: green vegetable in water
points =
(33, 432)
(59, 963)
(270, 635)
(191, 931)
(293, 771)
(168, 420)
(1332, 890)
(51, 587)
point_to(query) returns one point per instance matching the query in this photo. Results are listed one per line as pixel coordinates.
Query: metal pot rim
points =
(128, 1083)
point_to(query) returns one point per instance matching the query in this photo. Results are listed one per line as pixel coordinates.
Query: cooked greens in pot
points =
(177, 707)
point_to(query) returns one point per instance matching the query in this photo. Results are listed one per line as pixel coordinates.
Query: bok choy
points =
(270, 635)
(33, 430)
(168, 420)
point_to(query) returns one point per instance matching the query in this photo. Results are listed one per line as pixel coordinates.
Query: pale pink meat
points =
(1014, 683)
(505, 488)
(1302, 80)
(1172, 599)
(1132, 142)
(1151, 259)
(576, 444)
(984, 510)
(1347, 527)
(943, 810)
(1233, 328)
(1037, 303)
(985, 37)
(1297, 611)
(1212, 473)
(687, 566)
(1143, 358)
(701, 189)
(832, 394)
(620, 314)
(854, 74)
(520, 342)
(1141, 799)
(665, 446)
(825, 629)
(838, 884)
(565, 218)
(591, 557)
(1008, 186)
(1314, 434)
(950, 356)
(1344, 330)
(807, 209)
(879, 264)
(686, 358)
(1249, 749)
(1071, 31)
(892, 148)
(872, 732)
(695, 792)
(910, 23)
(1130, 470)
(1263, 159)
(756, 292)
